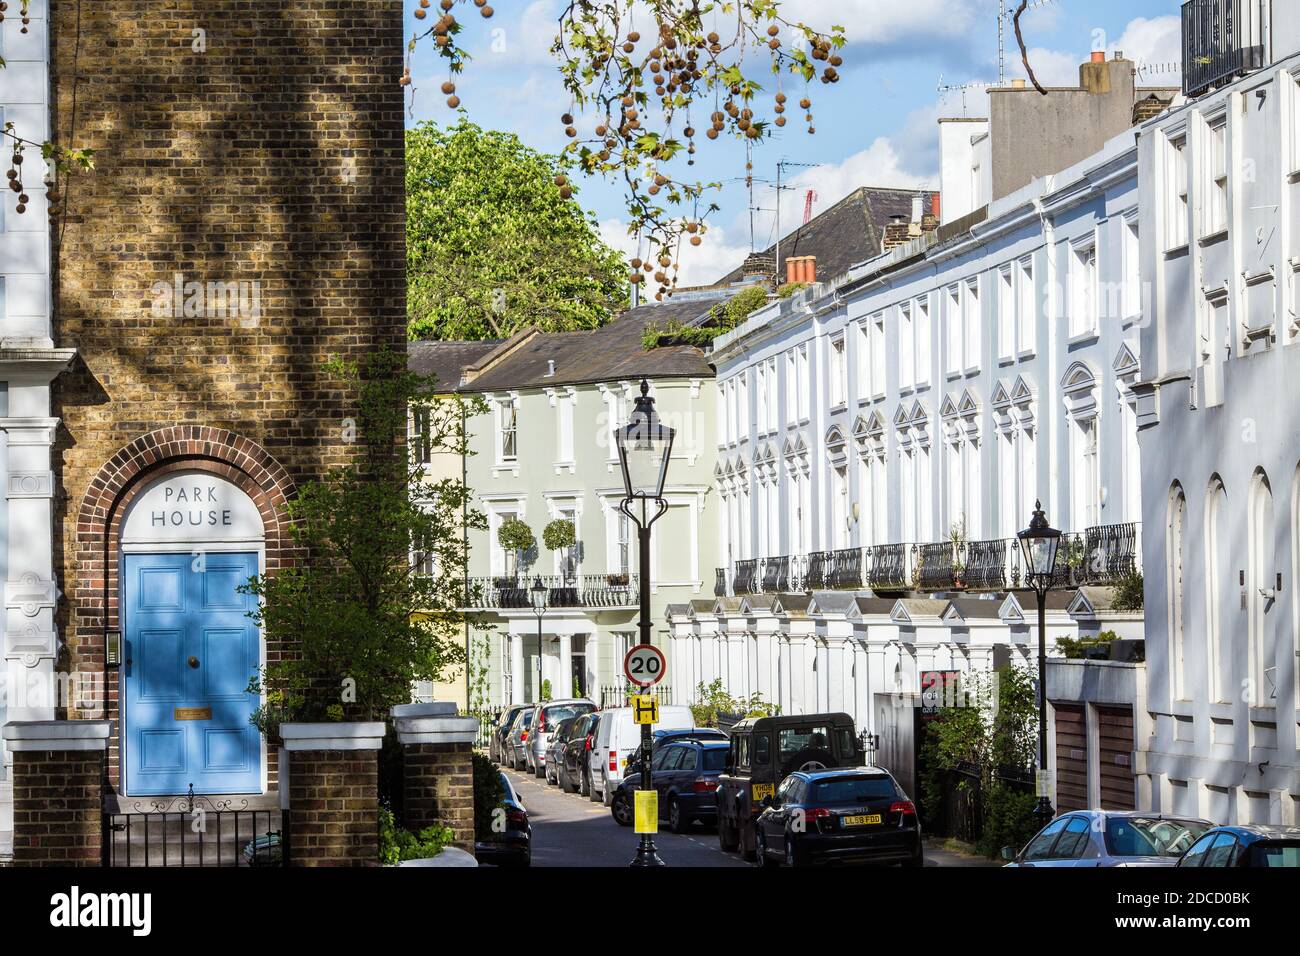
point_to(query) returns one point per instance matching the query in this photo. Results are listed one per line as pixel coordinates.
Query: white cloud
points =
(1151, 42)
(880, 22)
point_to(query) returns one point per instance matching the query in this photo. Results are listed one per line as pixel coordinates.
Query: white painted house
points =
(28, 364)
(1219, 419)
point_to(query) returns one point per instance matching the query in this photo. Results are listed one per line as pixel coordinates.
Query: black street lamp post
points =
(1040, 542)
(537, 593)
(644, 445)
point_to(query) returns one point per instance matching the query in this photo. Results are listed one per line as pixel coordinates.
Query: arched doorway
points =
(188, 541)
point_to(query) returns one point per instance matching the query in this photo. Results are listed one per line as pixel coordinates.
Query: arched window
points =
(1260, 593)
(1174, 589)
(1219, 665)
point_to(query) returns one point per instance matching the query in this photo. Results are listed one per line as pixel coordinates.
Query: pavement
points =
(570, 830)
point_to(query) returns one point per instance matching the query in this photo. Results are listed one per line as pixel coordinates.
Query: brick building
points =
(243, 224)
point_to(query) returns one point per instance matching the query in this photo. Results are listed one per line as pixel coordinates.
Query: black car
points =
(507, 839)
(556, 747)
(669, 736)
(1246, 845)
(574, 771)
(848, 815)
(766, 750)
(685, 774)
(497, 742)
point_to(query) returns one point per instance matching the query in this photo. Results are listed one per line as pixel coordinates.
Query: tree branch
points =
(1024, 54)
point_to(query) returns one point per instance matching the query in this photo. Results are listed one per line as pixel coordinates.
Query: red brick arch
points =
(134, 468)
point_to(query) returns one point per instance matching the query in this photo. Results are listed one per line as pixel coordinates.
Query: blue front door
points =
(190, 650)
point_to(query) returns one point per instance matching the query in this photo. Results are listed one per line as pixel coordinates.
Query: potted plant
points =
(618, 579)
(560, 535)
(517, 539)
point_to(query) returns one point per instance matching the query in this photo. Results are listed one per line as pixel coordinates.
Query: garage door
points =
(1071, 758)
(1115, 758)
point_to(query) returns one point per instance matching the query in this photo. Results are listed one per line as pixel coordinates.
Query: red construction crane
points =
(808, 204)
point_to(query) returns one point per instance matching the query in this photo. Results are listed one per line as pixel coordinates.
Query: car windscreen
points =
(560, 711)
(1276, 853)
(1148, 836)
(852, 790)
(713, 758)
(791, 740)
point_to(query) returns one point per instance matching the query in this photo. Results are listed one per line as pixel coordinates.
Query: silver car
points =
(516, 742)
(545, 717)
(1085, 838)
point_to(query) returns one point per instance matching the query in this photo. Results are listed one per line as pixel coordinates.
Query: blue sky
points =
(875, 127)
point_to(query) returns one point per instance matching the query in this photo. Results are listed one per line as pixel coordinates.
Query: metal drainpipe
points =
(464, 537)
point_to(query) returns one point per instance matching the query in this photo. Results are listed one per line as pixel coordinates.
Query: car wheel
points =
(763, 859)
(539, 770)
(918, 860)
(676, 822)
(584, 788)
(621, 810)
(728, 839)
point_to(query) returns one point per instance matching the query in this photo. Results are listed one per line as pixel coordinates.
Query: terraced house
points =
(887, 430)
(544, 452)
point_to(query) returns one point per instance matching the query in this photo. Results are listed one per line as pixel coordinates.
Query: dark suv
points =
(766, 750)
(685, 774)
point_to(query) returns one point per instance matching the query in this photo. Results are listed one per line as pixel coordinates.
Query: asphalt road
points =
(570, 830)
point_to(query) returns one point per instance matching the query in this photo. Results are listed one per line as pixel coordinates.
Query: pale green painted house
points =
(544, 451)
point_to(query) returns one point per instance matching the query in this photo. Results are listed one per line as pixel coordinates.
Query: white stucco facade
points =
(28, 364)
(1220, 441)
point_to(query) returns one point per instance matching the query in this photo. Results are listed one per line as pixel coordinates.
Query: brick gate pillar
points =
(330, 773)
(59, 770)
(437, 770)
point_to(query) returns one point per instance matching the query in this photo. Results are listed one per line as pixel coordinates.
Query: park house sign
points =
(189, 507)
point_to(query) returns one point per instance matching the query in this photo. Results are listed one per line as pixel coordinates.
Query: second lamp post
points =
(644, 445)
(1040, 542)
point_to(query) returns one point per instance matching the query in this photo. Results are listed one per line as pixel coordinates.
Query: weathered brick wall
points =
(334, 808)
(267, 150)
(439, 788)
(57, 806)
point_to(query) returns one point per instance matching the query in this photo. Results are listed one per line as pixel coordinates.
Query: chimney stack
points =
(918, 208)
(897, 232)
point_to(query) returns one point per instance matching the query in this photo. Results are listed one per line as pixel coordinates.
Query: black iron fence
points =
(1217, 44)
(616, 696)
(1100, 555)
(193, 831)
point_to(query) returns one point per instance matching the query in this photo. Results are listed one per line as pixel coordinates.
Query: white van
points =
(616, 738)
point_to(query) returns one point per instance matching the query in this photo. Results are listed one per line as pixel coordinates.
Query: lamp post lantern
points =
(644, 445)
(1040, 542)
(537, 594)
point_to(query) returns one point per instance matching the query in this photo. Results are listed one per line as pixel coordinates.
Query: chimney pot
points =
(1017, 84)
(1098, 56)
(934, 205)
(550, 368)
(1118, 55)
(810, 269)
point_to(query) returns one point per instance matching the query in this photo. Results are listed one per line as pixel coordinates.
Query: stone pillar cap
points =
(435, 729)
(353, 735)
(57, 734)
(438, 708)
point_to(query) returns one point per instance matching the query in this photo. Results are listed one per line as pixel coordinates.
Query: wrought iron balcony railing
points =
(1099, 555)
(616, 589)
(1217, 45)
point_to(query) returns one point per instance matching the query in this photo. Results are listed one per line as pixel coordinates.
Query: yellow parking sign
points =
(647, 812)
(645, 708)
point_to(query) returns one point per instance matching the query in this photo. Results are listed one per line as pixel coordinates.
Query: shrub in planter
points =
(488, 793)
(559, 534)
(397, 844)
(515, 535)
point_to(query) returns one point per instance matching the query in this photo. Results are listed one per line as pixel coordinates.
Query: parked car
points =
(497, 741)
(517, 738)
(512, 845)
(847, 815)
(619, 736)
(766, 750)
(574, 771)
(1246, 845)
(685, 774)
(558, 743)
(1086, 838)
(545, 716)
(660, 737)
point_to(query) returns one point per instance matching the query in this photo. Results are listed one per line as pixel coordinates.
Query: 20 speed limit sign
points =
(645, 665)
